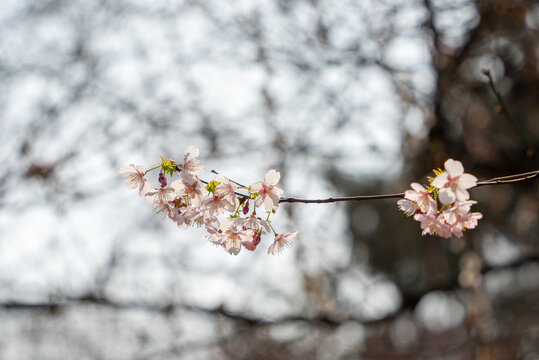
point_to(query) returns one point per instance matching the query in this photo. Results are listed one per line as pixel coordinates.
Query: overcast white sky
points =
(175, 64)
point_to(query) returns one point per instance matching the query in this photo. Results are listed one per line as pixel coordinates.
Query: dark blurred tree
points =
(466, 122)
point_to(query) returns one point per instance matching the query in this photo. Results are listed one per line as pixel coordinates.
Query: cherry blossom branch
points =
(338, 199)
(191, 201)
(493, 181)
(322, 201)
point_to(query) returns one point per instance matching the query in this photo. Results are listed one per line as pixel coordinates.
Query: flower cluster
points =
(450, 188)
(190, 201)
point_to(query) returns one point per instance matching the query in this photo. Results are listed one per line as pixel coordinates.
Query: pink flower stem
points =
(271, 227)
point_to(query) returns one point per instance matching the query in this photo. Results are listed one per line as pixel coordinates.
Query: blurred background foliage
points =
(343, 98)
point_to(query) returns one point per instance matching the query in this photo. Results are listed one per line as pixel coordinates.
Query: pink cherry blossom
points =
(459, 218)
(135, 178)
(434, 225)
(233, 238)
(459, 209)
(268, 191)
(215, 235)
(469, 220)
(191, 215)
(215, 205)
(164, 194)
(252, 222)
(227, 190)
(256, 226)
(281, 241)
(191, 186)
(163, 209)
(191, 164)
(421, 198)
(161, 199)
(453, 183)
(407, 206)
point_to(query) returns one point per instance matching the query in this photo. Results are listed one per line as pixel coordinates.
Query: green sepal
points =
(212, 185)
(168, 166)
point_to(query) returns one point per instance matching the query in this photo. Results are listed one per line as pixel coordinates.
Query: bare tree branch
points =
(495, 181)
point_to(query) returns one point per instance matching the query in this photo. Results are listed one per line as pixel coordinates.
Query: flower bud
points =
(162, 180)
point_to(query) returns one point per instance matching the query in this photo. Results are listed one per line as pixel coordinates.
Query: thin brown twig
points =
(509, 179)
(531, 151)
(235, 182)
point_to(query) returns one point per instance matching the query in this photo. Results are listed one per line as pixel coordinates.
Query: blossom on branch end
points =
(451, 187)
(453, 183)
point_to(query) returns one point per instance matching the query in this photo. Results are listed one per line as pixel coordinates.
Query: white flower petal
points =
(278, 191)
(407, 206)
(446, 196)
(461, 194)
(454, 167)
(256, 187)
(144, 187)
(269, 203)
(126, 169)
(441, 180)
(227, 224)
(417, 187)
(272, 177)
(467, 181)
(178, 186)
(411, 195)
(191, 152)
